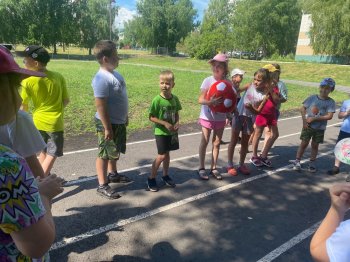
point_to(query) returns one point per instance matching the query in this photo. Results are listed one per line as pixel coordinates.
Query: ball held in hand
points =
(222, 89)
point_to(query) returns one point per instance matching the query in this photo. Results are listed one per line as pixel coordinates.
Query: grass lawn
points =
(142, 84)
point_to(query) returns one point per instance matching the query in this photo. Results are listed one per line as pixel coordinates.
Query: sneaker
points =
(347, 179)
(265, 161)
(296, 164)
(108, 192)
(117, 178)
(232, 171)
(312, 167)
(244, 170)
(152, 184)
(256, 161)
(333, 171)
(168, 181)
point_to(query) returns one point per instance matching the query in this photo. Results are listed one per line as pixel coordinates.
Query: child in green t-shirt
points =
(164, 113)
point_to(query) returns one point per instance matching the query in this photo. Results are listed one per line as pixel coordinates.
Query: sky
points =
(128, 9)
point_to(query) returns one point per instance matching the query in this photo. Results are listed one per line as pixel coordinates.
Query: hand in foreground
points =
(340, 197)
(50, 186)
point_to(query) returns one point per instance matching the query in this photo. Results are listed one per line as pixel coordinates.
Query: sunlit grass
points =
(142, 85)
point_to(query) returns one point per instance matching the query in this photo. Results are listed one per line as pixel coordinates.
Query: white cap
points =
(237, 71)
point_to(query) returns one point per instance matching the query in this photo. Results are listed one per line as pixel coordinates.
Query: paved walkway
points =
(345, 89)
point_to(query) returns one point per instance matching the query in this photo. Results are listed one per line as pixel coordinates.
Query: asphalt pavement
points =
(267, 216)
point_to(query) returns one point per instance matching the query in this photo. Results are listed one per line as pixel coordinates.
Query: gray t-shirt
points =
(112, 86)
(315, 106)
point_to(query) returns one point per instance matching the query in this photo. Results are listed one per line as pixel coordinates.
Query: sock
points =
(230, 164)
(103, 185)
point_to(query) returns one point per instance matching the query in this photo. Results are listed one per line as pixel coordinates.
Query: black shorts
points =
(167, 143)
(54, 141)
(342, 135)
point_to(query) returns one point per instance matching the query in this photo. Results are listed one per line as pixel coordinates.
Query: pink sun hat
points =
(9, 65)
(219, 58)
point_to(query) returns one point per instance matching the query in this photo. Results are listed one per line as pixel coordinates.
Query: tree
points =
(161, 23)
(330, 30)
(93, 21)
(272, 25)
(215, 33)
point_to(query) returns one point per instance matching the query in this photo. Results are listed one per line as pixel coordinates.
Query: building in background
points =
(305, 52)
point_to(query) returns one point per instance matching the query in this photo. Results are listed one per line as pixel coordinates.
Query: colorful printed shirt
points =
(21, 204)
(315, 106)
(164, 109)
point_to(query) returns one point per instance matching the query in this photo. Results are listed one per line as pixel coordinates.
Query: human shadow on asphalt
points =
(160, 252)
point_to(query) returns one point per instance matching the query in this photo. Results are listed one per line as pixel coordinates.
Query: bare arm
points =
(35, 166)
(101, 107)
(65, 102)
(342, 115)
(328, 116)
(156, 120)
(24, 107)
(303, 116)
(340, 198)
(34, 241)
(213, 100)
(257, 109)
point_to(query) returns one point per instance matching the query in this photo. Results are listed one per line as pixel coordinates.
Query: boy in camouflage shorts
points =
(111, 118)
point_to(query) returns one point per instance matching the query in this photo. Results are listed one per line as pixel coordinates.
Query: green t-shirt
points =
(164, 109)
(47, 94)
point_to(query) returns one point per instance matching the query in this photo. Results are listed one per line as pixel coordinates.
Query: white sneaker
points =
(296, 164)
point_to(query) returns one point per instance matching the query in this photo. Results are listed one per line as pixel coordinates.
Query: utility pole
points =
(110, 20)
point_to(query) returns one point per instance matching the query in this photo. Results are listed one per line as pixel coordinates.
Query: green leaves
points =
(160, 23)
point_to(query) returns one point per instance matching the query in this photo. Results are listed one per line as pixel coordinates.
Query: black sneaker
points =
(167, 180)
(152, 184)
(347, 179)
(312, 168)
(108, 192)
(335, 170)
(117, 178)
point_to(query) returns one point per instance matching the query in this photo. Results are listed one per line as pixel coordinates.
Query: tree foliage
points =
(330, 30)
(247, 25)
(215, 33)
(161, 23)
(52, 22)
(271, 25)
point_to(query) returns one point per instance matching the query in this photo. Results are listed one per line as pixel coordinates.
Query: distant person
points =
(315, 112)
(49, 97)
(250, 105)
(283, 97)
(20, 134)
(266, 118)
(111, 100)
(164, 113)
(344, 132)
(27, 229)
(331, 240)
(236, 80)
(212, 121)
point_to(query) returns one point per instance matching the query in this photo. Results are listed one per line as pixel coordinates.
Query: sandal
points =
(202, 174)
(215, 173)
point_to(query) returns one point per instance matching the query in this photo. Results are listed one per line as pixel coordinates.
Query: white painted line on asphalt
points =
(291, 243)
(82, 180)
(72, 240)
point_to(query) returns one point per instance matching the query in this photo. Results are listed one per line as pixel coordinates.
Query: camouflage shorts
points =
(316, 135)
(111, 149)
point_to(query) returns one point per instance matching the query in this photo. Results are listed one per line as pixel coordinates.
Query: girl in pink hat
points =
(29, 235)
(212, 122)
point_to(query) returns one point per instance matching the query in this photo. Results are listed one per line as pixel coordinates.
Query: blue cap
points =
(328, 82)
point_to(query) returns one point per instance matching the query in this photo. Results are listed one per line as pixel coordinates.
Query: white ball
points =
(228, 103)
(221, 86)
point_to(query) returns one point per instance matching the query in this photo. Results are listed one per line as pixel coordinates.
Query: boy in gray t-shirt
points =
(111, 118)
(315, 112)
